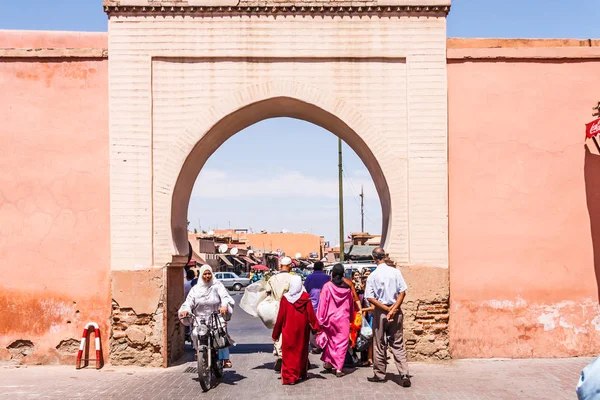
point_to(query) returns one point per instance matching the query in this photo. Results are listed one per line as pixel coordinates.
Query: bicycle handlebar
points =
(198, 321)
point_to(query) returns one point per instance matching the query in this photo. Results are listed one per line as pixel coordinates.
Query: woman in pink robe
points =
(335, 312)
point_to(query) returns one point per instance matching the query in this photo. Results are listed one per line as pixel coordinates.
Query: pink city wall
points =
(524, 199)
(54, 196)
(523, 205)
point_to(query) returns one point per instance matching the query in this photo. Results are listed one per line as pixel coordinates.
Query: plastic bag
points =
(366, 330)
(267, 311)
(253, 296)
(362, 343)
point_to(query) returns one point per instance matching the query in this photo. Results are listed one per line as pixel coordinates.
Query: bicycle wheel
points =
(204, 370)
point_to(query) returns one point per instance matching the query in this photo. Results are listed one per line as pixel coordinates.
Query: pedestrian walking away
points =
(335, 312)
(277, 286)
(386, 290)
(295, 319)
(314, 284)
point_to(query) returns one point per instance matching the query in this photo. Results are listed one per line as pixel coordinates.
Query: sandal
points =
(366, 364)
(227, 364)
(328, 367)
(339, 374)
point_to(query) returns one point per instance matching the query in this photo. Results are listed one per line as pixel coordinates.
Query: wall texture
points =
(524, 206)
(175, 77)
(54, 195)
(181, 84)
(524, 270)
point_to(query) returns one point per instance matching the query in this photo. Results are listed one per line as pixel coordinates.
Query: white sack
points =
(267, 311)
(253, 296)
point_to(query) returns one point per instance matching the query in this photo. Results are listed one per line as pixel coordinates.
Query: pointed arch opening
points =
(248, 115)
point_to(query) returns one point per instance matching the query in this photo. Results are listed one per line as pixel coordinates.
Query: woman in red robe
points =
(295, 319)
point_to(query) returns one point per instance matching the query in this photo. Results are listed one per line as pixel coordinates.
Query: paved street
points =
(252, 377)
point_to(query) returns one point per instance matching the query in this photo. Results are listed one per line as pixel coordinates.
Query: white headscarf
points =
(203, 269)
(295, 289)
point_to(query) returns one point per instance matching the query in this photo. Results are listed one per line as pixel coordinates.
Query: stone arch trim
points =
(168, 173)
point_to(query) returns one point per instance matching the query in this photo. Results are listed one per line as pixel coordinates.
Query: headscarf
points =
(285, 261)
(337, 276)
(295, 289)
(203, 269)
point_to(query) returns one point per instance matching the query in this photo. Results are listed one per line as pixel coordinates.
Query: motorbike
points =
(212, 336)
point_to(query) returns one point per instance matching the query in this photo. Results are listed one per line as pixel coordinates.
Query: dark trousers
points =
(392, 331)
(313, 342)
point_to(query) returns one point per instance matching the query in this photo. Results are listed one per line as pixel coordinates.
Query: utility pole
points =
(341, 194)
(362, 209)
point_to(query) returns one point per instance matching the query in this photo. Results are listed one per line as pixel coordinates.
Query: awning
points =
(258, 260)
(238, 260)
(197, 258)
(225, 260)
(249, 260)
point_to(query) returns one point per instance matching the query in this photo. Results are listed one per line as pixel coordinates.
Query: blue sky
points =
(468, 18)
(295, 160)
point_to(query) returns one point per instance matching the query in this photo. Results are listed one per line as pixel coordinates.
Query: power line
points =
(360, 204)
(350, 180)
(352, 189)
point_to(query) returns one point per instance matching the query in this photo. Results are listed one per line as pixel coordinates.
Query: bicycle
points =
(207, 353)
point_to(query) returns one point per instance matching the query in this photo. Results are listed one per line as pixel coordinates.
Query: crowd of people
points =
(323, 315)
(337, 305)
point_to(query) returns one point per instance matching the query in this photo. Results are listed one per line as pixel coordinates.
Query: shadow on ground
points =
(268, 365)
(251, 348)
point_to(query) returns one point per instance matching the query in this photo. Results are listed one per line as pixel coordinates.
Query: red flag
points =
(592, 129)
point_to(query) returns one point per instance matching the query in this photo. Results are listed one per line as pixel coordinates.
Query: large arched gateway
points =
(187, 75)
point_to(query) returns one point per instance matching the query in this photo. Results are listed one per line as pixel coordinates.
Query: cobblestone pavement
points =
(253, 378)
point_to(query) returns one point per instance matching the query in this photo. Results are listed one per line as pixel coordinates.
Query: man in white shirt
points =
(386, 290)
(277, 286)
